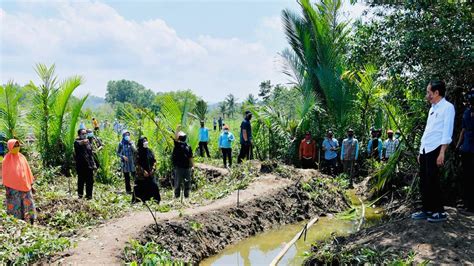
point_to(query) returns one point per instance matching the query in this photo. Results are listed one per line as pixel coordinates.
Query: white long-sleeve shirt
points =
(439, 126)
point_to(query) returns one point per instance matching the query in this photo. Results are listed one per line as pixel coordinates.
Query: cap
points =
(350, 130)
(389, 131)
(308, 133)
(247, 112)
(181, 134)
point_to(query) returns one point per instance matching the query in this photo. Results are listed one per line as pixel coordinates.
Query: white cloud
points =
(93, 40)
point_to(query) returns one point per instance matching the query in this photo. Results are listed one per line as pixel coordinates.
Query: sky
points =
(211, 47)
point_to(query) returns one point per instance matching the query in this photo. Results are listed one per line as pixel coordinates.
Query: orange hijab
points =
(16, 172)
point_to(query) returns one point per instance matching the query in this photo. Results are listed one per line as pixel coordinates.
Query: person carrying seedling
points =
(225, 144)
(126, 151)
(85, 164)
(307, 151)
(182, 159)
(18, 181)
(349, 154)
(203, 140)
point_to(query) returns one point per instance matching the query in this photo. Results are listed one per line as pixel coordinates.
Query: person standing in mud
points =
(307, 152)
(434, 142)
(182, 159)
(466, 146)
(85, 164)
(330, 147)
(375, 146)
(126, 151)
(18, 181)
(245, 138)
(349, 154)
(203, 140)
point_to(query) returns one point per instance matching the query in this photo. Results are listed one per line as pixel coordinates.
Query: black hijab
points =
(145, 157)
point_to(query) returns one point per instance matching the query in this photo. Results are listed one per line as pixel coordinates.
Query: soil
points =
(451, 242)
(104, 245)
(195, 237)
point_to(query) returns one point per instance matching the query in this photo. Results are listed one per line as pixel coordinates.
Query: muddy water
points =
(263, 248)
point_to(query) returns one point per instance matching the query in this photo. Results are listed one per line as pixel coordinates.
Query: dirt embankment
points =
(193, 238)
(451, 242)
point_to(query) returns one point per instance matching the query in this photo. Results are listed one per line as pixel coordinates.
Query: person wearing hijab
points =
(18, 181)
(85, 164)
(146, 187)
(126, 151)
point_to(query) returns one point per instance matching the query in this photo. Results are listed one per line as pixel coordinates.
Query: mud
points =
(193, 238)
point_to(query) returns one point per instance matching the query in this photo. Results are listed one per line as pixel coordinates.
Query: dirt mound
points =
(199, 236)
(450, 242)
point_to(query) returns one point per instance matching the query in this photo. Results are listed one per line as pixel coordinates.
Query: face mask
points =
(350, 135)
(83, 136)
(397, 136)
(226, 131)
(15, 150)
(390, 136)
(90, 135)
(145, 144)
(127, 138)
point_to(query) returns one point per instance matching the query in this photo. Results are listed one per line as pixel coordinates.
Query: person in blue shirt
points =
(375, 146)
(2, 144)
(245, 138)
(225, 145)
(466, 146)
(330, 147)
(203, 140)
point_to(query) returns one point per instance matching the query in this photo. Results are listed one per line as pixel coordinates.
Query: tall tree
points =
(265, 89)
(251, 100)
(223, 109)
(129, 91)
(200, 111)
(230, 101)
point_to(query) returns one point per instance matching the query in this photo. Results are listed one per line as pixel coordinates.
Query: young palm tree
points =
(9, 112)
(317, 39)
(223, 109)
(51, 105)
(200, 111)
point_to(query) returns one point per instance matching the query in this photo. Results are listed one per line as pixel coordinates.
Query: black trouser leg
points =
(201, 148)
(89, 178)
(227, 155)
(467, 181)
(128, 187)
(224, 157)
(80, 183)
(206, 149)
(306, 163)
(244, 153)
(430, 187)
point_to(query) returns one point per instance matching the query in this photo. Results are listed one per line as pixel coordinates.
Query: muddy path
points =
(104, 245)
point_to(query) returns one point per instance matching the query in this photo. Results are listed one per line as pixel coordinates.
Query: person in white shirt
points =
(435, 141)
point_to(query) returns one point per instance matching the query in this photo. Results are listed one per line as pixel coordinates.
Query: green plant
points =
(149, 253)
(9, 111)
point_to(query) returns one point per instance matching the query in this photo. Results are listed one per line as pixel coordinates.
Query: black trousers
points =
(467, 181)
(429, 182)
(227, 155)
(85, 177)
(128, 187)
(202, 147)
(245, 150)
(331, 166)
(307, 163)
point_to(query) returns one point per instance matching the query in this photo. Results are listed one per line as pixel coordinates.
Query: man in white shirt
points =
(435, 141)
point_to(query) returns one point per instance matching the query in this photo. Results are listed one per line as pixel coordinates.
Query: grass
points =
(150, 253)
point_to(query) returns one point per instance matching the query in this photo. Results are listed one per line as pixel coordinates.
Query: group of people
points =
(139, 162)
(226, 140)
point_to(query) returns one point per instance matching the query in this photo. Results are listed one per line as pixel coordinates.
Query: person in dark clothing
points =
(245, 138)
(182, 159)
(466, 146)
(146, 187)
(220, 122)
(96, 144)
(375, 145)
(126, 151)
(85, 164)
